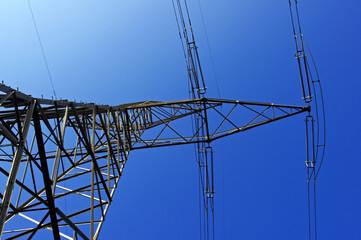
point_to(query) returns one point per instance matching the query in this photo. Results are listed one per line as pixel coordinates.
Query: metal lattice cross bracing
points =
(56, 151)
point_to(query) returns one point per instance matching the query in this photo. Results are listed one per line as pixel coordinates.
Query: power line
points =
(197, 89)
(209, 49)
(42, 49)
(313, 147)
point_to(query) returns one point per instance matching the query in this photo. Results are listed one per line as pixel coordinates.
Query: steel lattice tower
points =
(51, 149)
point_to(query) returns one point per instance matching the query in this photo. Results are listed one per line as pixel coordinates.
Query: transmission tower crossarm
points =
(104, 137)
(222, 112)
(155, 118)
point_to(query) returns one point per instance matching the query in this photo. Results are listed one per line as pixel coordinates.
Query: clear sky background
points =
(114, 52)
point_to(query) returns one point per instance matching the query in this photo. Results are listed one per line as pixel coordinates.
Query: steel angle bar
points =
(254, 119)
(10, 205)
(167, 125)
(46, 177)
(126, 128)
(79, 191)
(8, 134)
(58, 141)
(71, 224)
(87, 145)
(196, 133)
(15, 167)
(25, 188)
(236, 130)
(157, 123)
(54, 176)
(260, 114)
(205, 120)
(224, 119)
(48, 225)
(31, 231)
(39, 226)
(106, 132)
(43, 226)
(6, 97)
(28, 163)
(120, 147)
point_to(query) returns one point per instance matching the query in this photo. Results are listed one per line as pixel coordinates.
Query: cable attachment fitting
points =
(310, 142)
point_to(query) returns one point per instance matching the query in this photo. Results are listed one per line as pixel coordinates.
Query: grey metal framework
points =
(51, 150)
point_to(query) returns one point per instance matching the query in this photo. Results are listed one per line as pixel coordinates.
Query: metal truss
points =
(56, 152)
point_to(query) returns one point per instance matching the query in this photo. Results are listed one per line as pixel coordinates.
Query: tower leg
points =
(9, 189)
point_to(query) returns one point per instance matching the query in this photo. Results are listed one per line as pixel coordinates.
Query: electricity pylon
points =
(52, 150)
(57, 151)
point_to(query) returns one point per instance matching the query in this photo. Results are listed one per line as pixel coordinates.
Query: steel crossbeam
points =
(85, 146)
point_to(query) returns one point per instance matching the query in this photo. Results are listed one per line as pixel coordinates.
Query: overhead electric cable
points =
(42, 49)
(318, 81)
(209, 49)
(308, 204)
(315, 148)
(314, 208)
(179, 31)
(197, 90)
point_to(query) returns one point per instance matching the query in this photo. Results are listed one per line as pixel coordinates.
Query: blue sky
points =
(114, 52)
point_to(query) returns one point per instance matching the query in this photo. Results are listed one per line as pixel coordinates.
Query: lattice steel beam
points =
(86, 146)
